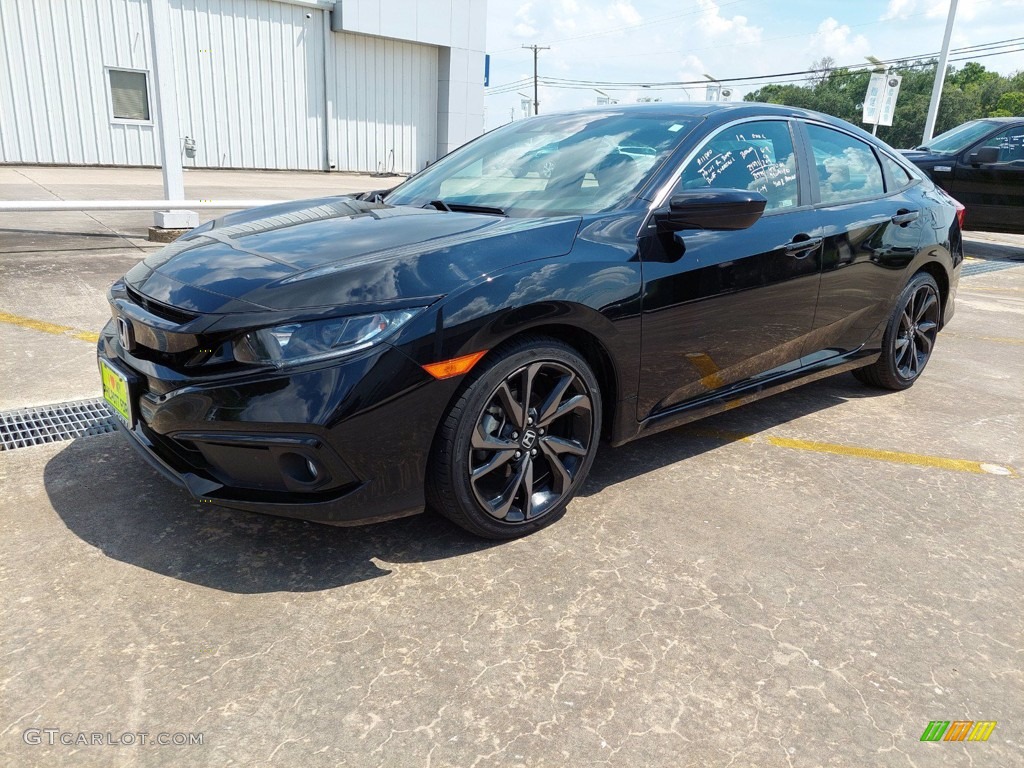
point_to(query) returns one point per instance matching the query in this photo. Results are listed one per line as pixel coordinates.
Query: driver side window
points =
(756, 156)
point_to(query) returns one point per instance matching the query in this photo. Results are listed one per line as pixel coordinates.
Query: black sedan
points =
(466, 340)
(981, 164)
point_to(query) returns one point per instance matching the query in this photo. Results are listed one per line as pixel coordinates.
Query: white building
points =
(352, 85)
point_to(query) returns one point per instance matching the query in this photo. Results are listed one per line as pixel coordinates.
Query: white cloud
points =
(836, 40)
(712, 23)
(967, 10)
(525, 24)
(625, 13)
(898, 9)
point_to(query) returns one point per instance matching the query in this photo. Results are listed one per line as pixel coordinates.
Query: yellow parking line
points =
(45, 327)
(895, 457)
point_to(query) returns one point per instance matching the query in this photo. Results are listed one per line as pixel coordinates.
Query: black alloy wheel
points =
(518, 442)
(909, 337)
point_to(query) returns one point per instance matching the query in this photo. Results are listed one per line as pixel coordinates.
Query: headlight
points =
(318, 339)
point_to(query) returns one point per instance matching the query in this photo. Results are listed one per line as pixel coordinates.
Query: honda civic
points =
(465, 341)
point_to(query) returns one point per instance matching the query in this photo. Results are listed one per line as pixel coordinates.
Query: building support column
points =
(167, 119)
(460, 99)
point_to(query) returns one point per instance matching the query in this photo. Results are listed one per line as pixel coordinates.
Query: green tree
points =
(1010, 104)
(969, 93)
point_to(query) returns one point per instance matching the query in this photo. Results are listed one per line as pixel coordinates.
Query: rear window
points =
(847, 167)
(900, 176)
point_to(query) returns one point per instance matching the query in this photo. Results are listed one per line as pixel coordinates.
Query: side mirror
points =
(717, 209)
(984, 156)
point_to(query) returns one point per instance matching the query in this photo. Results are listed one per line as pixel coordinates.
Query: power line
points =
(975, 51)
(847, 73)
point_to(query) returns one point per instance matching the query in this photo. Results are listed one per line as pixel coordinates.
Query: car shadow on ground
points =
(108, 496)
(980, 247)
(615, 465)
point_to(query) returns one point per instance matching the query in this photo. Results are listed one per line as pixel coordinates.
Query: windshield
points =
(957, 139)
(546, 166)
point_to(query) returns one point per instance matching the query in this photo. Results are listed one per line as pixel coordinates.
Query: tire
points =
(909, 336)
(479, 474)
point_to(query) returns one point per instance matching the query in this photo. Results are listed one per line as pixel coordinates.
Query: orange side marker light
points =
(454, 367)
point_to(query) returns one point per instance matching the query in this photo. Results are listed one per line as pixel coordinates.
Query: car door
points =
(993, 192)
(721, 309)
(872, 226)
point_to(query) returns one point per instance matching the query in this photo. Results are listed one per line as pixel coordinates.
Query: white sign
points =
(880, 99)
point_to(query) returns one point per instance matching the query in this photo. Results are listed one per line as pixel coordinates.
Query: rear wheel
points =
(909, 336)
(518, 442)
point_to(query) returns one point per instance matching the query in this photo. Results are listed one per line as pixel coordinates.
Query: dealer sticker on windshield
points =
(115, 392)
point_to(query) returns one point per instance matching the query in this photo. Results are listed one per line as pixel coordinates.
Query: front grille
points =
(159, 310)
(53, 423)
(178, 453)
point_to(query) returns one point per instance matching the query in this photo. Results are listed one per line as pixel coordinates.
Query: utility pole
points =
(536, 49)
(940, 77)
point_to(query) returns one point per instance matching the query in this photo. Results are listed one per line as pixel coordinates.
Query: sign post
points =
(880, 100)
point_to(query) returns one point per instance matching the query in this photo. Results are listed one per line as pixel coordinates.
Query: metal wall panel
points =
(54, 93)
(384, 103)
(256, 87)
(250, 83)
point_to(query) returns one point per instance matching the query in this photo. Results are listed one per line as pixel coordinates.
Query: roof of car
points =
(701, 109)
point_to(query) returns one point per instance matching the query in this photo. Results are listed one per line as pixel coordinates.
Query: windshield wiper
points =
(441, 205)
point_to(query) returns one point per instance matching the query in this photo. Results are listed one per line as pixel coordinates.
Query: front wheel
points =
(909, 336)
(518, 442)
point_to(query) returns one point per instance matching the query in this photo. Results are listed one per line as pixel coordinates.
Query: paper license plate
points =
(115, 392)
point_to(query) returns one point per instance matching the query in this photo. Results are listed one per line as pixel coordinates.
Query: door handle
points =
(801, 248)
(904, 217)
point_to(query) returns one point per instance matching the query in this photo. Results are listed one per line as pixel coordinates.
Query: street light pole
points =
(940, 77)
(536, 49)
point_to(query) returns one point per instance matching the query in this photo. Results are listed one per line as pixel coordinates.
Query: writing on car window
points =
(756, 157)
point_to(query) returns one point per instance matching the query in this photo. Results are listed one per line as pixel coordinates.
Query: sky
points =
(674, 40)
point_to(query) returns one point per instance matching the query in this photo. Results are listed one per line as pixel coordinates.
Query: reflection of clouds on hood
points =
(537, 286)
(540, 286)
(380, 282)
(476, 308)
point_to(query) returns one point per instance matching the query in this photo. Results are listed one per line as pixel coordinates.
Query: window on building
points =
(129, 94)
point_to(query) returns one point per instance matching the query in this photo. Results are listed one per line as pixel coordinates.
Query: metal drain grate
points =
(53, 423)
(980, 267)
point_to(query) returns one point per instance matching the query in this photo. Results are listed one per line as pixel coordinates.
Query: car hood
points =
(917, 157)
(339, 251)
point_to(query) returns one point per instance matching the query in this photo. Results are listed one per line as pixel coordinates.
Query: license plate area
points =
(117, 392)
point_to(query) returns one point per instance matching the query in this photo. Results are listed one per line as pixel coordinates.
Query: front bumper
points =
(346, 443)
